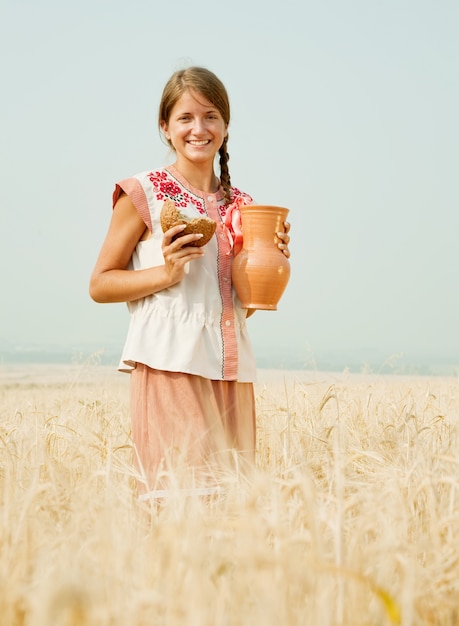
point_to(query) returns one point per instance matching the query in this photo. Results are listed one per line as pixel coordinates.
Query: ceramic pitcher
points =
(260, 270)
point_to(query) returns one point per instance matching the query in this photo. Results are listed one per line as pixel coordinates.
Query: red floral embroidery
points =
(169, 188)
(165, 187)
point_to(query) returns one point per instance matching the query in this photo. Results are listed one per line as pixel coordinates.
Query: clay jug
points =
(260, 270)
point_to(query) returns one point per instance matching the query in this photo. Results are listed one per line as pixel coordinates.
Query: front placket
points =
(227, 326)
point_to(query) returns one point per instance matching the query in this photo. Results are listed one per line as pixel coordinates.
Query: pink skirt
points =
(189, 426)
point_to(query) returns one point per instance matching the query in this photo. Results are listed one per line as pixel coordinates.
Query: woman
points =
(188, 352)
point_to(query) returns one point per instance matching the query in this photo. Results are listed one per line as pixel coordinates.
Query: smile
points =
(200, 143)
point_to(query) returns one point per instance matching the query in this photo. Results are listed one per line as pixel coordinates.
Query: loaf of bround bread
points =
(172, 216)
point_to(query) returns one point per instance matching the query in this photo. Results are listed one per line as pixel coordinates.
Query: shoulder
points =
(143, 191)
(161, 184)
(144, 179)
(148, 182)
(151, 177)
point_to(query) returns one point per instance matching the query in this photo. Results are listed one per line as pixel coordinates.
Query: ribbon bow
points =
(233, 224)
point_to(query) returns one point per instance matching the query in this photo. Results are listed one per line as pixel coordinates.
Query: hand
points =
(177, 253)
(285, 239)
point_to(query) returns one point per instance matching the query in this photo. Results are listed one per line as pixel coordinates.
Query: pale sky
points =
(345, 112)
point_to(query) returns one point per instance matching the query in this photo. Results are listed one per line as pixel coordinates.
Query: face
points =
(195, 128)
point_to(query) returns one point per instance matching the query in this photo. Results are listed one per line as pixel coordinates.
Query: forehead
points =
(192, 100)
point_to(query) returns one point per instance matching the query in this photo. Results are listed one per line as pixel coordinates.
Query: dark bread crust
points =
(171, 216)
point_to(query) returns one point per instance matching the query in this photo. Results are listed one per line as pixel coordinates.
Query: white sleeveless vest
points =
(196, 326)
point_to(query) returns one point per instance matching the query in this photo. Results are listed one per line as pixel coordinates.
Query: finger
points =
(177, 252)
(285, 250)
(283, 247)
(175, 240)
(185, 240)
(283, 237)
(171, 233)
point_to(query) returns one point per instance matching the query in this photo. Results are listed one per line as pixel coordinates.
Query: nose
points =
(199, 126)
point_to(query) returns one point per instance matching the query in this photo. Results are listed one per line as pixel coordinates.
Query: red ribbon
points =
(233, 224)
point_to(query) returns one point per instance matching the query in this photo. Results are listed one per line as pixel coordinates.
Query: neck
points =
(199, 177)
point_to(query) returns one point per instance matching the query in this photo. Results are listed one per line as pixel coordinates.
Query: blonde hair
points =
(210, 86)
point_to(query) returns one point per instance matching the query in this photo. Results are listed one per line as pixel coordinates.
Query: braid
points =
(224, 171)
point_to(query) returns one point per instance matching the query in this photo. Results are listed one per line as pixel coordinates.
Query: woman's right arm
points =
(111, 281)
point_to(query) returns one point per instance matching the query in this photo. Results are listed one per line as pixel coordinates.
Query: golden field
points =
(351, 518)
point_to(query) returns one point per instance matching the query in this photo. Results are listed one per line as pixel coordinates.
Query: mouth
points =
(203, 142)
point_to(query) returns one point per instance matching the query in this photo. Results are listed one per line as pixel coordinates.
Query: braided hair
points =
(210, 86)
(225, 178)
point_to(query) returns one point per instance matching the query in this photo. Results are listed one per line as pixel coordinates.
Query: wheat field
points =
(351, 517)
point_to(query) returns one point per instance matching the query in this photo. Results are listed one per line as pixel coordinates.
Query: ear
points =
(165, 131)
(226, 130)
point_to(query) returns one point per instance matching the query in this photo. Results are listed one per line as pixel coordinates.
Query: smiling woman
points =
(196, 130)
(188, 352)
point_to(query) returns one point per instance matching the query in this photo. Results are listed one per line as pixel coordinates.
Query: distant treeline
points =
(325, 362)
